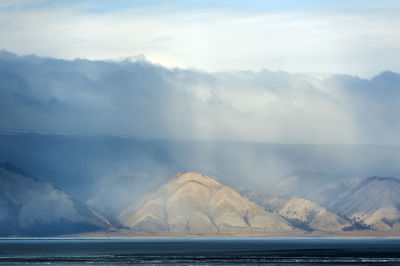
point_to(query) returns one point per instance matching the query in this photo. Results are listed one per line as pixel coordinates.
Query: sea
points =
(204, 251)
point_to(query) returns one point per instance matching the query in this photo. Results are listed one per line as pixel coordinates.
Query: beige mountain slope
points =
(309, 214)
(199, 205)
(299, 212)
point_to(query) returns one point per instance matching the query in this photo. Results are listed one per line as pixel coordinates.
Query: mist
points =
(108, 132)
(109, 172)
(137, 98)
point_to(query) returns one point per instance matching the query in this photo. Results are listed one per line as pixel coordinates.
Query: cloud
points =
(214, 38)
(136, 97)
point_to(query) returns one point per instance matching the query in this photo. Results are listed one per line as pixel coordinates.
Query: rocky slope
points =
(32, 208)
(299, 212)
(373, 201)
(199, 205)
(310, 216)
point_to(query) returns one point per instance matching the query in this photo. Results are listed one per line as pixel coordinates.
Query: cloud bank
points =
(139, 98)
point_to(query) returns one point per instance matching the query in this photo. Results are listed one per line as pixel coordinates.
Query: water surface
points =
(274, 251)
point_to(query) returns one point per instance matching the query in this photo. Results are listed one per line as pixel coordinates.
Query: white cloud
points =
(361, 42)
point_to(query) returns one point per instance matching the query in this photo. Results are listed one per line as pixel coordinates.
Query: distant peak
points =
(196, 177)
(190, 175)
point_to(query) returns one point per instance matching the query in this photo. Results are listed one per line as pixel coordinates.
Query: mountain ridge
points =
(192, 204)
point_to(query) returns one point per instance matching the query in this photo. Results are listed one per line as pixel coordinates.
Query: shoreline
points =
(142, 237)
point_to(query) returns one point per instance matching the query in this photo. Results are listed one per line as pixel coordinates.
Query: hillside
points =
(199, 205)
(33, 208)
(373, 201)
(299, 212)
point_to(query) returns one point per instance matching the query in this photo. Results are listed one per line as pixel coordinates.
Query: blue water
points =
(275, 251)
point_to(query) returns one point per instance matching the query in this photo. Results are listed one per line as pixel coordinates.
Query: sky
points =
(341, 37)
(268, 71)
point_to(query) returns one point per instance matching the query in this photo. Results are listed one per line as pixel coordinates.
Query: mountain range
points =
(192, 204)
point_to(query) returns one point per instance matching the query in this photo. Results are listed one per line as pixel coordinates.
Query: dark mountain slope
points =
(29, 207)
